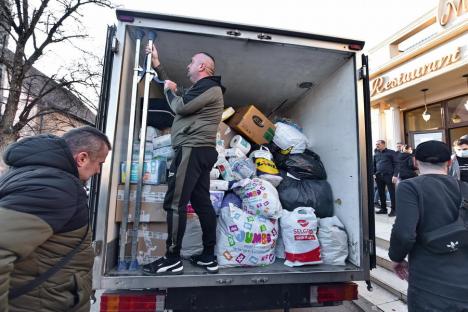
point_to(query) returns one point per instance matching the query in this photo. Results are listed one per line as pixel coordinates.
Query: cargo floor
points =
(276, 268)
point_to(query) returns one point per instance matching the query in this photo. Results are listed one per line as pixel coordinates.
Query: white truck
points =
(321, 82)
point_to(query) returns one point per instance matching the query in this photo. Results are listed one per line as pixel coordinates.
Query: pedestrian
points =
(406, 163)
(436, 281)
(198, 113)
(459, 165)
(44, 221)
(399, 147)
(385, 174)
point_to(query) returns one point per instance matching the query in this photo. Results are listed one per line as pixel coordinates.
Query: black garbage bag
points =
(306, 165)
(306, 193)
(160, 114)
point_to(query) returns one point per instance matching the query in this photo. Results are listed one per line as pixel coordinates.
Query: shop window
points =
(415, 122)
(457, 110)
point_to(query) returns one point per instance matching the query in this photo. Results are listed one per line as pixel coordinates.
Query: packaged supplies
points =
(151, 133)
(225, 134)
(214, 174)
(242, 168)
(152, 199)
(239, 142)
(154, 171)
(290, 139)
(298, 228)
(216, 200)
(164, 152)
(227, 113)
(234, 152)
(333, 241)
(295, 193)
(225, 169)
(219, 185)
(245, 240)
(192, 243)
(259, 197)
(231, 199)
(151, 243)
(251, 123)
(161, 141)
(303, 166)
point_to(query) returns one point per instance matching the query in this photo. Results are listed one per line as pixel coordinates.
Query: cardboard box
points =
(226, 134)
(151, 244)
(251, 123)
(152, 199)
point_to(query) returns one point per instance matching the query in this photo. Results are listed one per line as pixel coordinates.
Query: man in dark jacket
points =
(198, 114)
(436, 282)
(44, 216)
(385, 172)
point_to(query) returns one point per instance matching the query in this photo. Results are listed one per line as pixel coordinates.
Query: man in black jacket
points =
(44, 216)
(436, 282)
(385, 172)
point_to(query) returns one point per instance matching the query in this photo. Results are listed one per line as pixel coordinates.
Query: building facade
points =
(419, 79)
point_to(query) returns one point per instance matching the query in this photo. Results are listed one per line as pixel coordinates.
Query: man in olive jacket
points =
(44, 216)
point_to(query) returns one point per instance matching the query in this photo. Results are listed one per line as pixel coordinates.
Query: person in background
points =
(406, 163)
(385, 174)
(399, 147)
(459, 165)
(44, 219)
(193, 134)
(436, 282)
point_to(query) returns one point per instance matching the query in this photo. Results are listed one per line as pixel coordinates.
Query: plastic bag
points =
(266, 168)
(290, 139)
(242, 168)
(333, 241)
(245, 240)
(298, 230)
(192, 243)
(303, 166)
(259, 197)
(216, 200)
(295, 193)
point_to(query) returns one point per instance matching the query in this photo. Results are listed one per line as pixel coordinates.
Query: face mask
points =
(462, 153)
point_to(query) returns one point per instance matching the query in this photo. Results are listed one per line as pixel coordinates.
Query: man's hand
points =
(154, 54)
(168, 84)
(394, 180)
(401, 269)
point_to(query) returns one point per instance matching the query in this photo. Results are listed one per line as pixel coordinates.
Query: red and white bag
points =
(298, 228)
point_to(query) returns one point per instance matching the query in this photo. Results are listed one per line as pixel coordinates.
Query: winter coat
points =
(43, 216)
(406, 168)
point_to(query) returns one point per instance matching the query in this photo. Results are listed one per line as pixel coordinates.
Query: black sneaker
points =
(381, 211)
(392, 213)
(208, 262)
(164, 266)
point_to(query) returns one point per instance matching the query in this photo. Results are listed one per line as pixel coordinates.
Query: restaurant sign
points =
(382, 83)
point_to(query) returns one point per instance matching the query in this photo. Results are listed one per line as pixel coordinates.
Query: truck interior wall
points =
(329, 119)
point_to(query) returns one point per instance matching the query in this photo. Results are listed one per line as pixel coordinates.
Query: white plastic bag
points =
(298, 228)
(290, 139)
(333, 241)
(259, 197)
(245, 240)
(266, 168)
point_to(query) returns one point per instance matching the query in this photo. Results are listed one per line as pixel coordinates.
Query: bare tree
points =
(36, 26)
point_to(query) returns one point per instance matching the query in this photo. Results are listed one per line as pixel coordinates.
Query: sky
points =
(372, 21)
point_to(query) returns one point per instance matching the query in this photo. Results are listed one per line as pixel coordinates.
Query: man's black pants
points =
(385, 180)
(189, 180)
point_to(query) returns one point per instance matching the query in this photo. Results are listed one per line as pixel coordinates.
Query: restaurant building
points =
(419, 79)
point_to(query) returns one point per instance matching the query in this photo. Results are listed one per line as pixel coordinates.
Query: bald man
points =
(198, 113)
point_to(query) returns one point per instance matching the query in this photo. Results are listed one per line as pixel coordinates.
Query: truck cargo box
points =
(318, 81)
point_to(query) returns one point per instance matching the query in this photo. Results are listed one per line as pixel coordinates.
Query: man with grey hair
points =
(436, 281)
(45, 240)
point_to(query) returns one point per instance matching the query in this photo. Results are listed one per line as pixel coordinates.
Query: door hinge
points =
(115, 45)
(97, 247)
(363, 72)
(369, 247)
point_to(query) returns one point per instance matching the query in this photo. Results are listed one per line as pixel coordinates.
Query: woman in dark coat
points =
(406, 164)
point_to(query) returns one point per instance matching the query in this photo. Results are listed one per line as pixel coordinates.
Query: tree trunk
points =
(5, 140)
